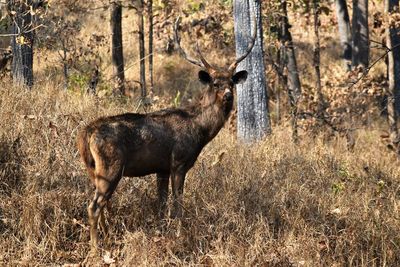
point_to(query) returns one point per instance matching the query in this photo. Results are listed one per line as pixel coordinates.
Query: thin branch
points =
(130, 66)
(366, 70)
(383, 45)
(17, 34)
(324, 118)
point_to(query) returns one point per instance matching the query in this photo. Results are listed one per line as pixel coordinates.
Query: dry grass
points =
(274, 204)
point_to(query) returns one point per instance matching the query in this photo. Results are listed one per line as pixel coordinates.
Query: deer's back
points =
(145, 143)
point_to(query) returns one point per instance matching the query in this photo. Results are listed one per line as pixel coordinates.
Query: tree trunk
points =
(150, 9)
(392, 40)
(253, 117)
(22, 42)
(142, 48)
(360, 52)
(317, 59)
(65, 64)
(344, 31)
(117, 55)
(394, 35)
(289, 57)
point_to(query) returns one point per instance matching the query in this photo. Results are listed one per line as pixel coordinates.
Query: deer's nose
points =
(228, 96)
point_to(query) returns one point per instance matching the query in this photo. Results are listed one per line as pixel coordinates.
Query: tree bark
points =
(253, 117)
(344, 32)
(317, 58)
(117, 54)
(289, 59)
(392, 40)
(360, 51)
(150, 10)
(22, 42)
(394, 56)
(142, 48)
(65, 64)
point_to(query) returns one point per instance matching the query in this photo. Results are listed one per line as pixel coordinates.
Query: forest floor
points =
(274, 204)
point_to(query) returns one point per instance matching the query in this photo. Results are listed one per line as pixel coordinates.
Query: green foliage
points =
(343, 172)
(105, 88)
(338, 187)
(226, 2)
(160, 4)
(5, 23)
(194, 6)
(177, 99)
(345, 175)
(78, 81)
(381, 185)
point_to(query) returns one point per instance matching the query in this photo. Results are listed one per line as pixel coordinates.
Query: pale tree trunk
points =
(289, 59)
(117, 54)
(360, 52)
(392, 40)
(253, 117)
(142, 48)
(342, 15)
(22, 42)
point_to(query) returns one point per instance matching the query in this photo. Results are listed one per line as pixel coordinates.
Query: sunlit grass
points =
(274, 203)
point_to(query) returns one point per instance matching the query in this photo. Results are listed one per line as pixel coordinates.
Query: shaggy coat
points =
(165, 142)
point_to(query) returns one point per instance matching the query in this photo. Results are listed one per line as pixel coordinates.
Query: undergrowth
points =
(271, 204)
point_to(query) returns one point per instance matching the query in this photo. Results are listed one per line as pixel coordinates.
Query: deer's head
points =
(220, 85)
(220, 82)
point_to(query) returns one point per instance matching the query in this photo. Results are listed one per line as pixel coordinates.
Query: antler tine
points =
(233, 66)
(182, 52)
(203, 60)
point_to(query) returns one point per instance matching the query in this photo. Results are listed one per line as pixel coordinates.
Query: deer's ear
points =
(205, 77)
(239, 77)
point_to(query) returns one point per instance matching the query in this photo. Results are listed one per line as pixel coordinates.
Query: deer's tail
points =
(84, 150)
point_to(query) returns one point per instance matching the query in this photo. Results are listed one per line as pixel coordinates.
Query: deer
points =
(165, 142)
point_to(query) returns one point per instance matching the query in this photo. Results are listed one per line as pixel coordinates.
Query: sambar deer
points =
(165, 142)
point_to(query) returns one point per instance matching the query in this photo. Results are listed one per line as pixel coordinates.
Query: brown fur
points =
(165, 142)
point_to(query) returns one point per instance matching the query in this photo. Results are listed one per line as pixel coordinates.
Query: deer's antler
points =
(202, 63)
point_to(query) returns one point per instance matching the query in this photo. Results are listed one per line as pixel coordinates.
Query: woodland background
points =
(327, 196)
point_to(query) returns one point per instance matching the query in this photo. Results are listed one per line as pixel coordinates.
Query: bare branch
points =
(366, 70)
(16, 34)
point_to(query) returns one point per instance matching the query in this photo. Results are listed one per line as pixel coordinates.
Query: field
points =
(275, 204)
(269, 204)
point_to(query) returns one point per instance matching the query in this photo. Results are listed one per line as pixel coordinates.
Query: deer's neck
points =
(211, 119)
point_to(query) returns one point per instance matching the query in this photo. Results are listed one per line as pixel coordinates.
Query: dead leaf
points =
(107, 258)
(218, 158)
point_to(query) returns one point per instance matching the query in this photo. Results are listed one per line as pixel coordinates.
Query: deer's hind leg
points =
(102, 221)
(108, 171)
(106, 181)
(95, 210)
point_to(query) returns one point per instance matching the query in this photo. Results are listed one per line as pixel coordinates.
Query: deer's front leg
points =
(177, 180)
(162, 186)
